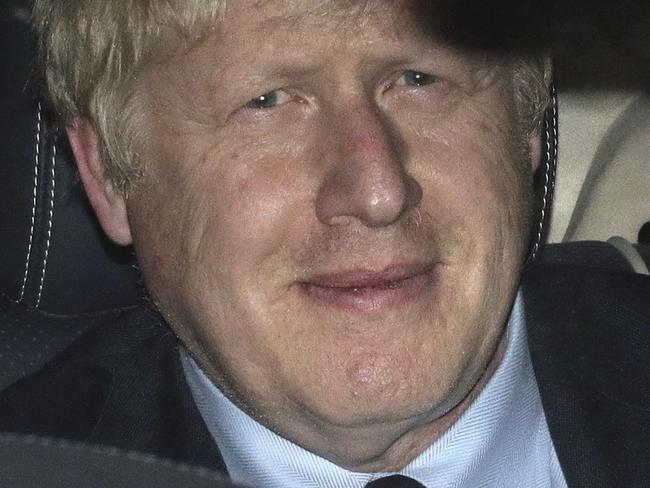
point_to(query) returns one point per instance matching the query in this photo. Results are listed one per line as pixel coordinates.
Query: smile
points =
(365, 291)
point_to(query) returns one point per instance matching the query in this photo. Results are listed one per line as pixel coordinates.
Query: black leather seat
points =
(55, 261)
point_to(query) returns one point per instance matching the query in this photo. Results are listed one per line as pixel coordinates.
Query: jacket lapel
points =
(150, 409)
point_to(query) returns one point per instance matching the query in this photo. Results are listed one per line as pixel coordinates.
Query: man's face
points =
(333, 213)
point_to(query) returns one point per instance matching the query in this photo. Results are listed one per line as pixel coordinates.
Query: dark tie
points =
(395, 481)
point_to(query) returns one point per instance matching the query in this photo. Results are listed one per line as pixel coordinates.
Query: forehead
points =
(362, 16)
(272, 29)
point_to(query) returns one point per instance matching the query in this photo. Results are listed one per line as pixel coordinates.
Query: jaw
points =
(383, 444)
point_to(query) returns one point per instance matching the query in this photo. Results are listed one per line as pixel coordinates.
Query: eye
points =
(416, 78)
(269, 100)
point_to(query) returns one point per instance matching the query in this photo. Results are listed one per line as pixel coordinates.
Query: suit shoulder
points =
(589, 290)
(592, 325)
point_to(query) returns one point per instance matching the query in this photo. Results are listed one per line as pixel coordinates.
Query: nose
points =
(367, 180)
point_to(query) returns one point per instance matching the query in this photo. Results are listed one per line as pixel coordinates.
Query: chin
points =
(370, 389)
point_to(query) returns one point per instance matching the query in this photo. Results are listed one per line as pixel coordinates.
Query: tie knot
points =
(395, 481)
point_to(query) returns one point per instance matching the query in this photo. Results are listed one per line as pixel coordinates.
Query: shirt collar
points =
(505, 414)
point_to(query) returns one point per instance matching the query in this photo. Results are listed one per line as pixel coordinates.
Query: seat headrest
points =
(55, 257)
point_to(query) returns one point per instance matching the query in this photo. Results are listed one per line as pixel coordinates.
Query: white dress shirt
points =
(501, 441)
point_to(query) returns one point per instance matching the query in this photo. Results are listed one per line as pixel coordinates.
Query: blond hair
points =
(532, 76)
(91, 52)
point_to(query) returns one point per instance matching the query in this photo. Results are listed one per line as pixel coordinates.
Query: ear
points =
(109, 205)
(535, 149)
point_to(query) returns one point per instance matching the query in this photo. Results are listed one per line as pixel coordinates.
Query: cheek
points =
(251, 206)
(473, 169)
(213, 245)
(476, 180)
(220, 197)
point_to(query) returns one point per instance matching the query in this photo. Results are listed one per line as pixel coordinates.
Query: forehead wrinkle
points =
(365, 22)
(340, 13)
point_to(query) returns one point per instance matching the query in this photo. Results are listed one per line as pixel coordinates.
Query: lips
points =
(361, 290)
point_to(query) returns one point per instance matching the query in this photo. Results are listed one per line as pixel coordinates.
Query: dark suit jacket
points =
(589, 335)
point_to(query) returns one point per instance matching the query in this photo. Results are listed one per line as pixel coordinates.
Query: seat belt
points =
(630, 253)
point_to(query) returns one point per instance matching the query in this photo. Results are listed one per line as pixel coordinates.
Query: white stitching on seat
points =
(549, 175)
(555, 139)
(49, 225)
(540, 228)
(31, 230)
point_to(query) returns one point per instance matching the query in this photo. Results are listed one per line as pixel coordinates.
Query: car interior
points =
(60, 276)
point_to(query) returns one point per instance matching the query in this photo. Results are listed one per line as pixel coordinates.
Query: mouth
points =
(363, 291)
